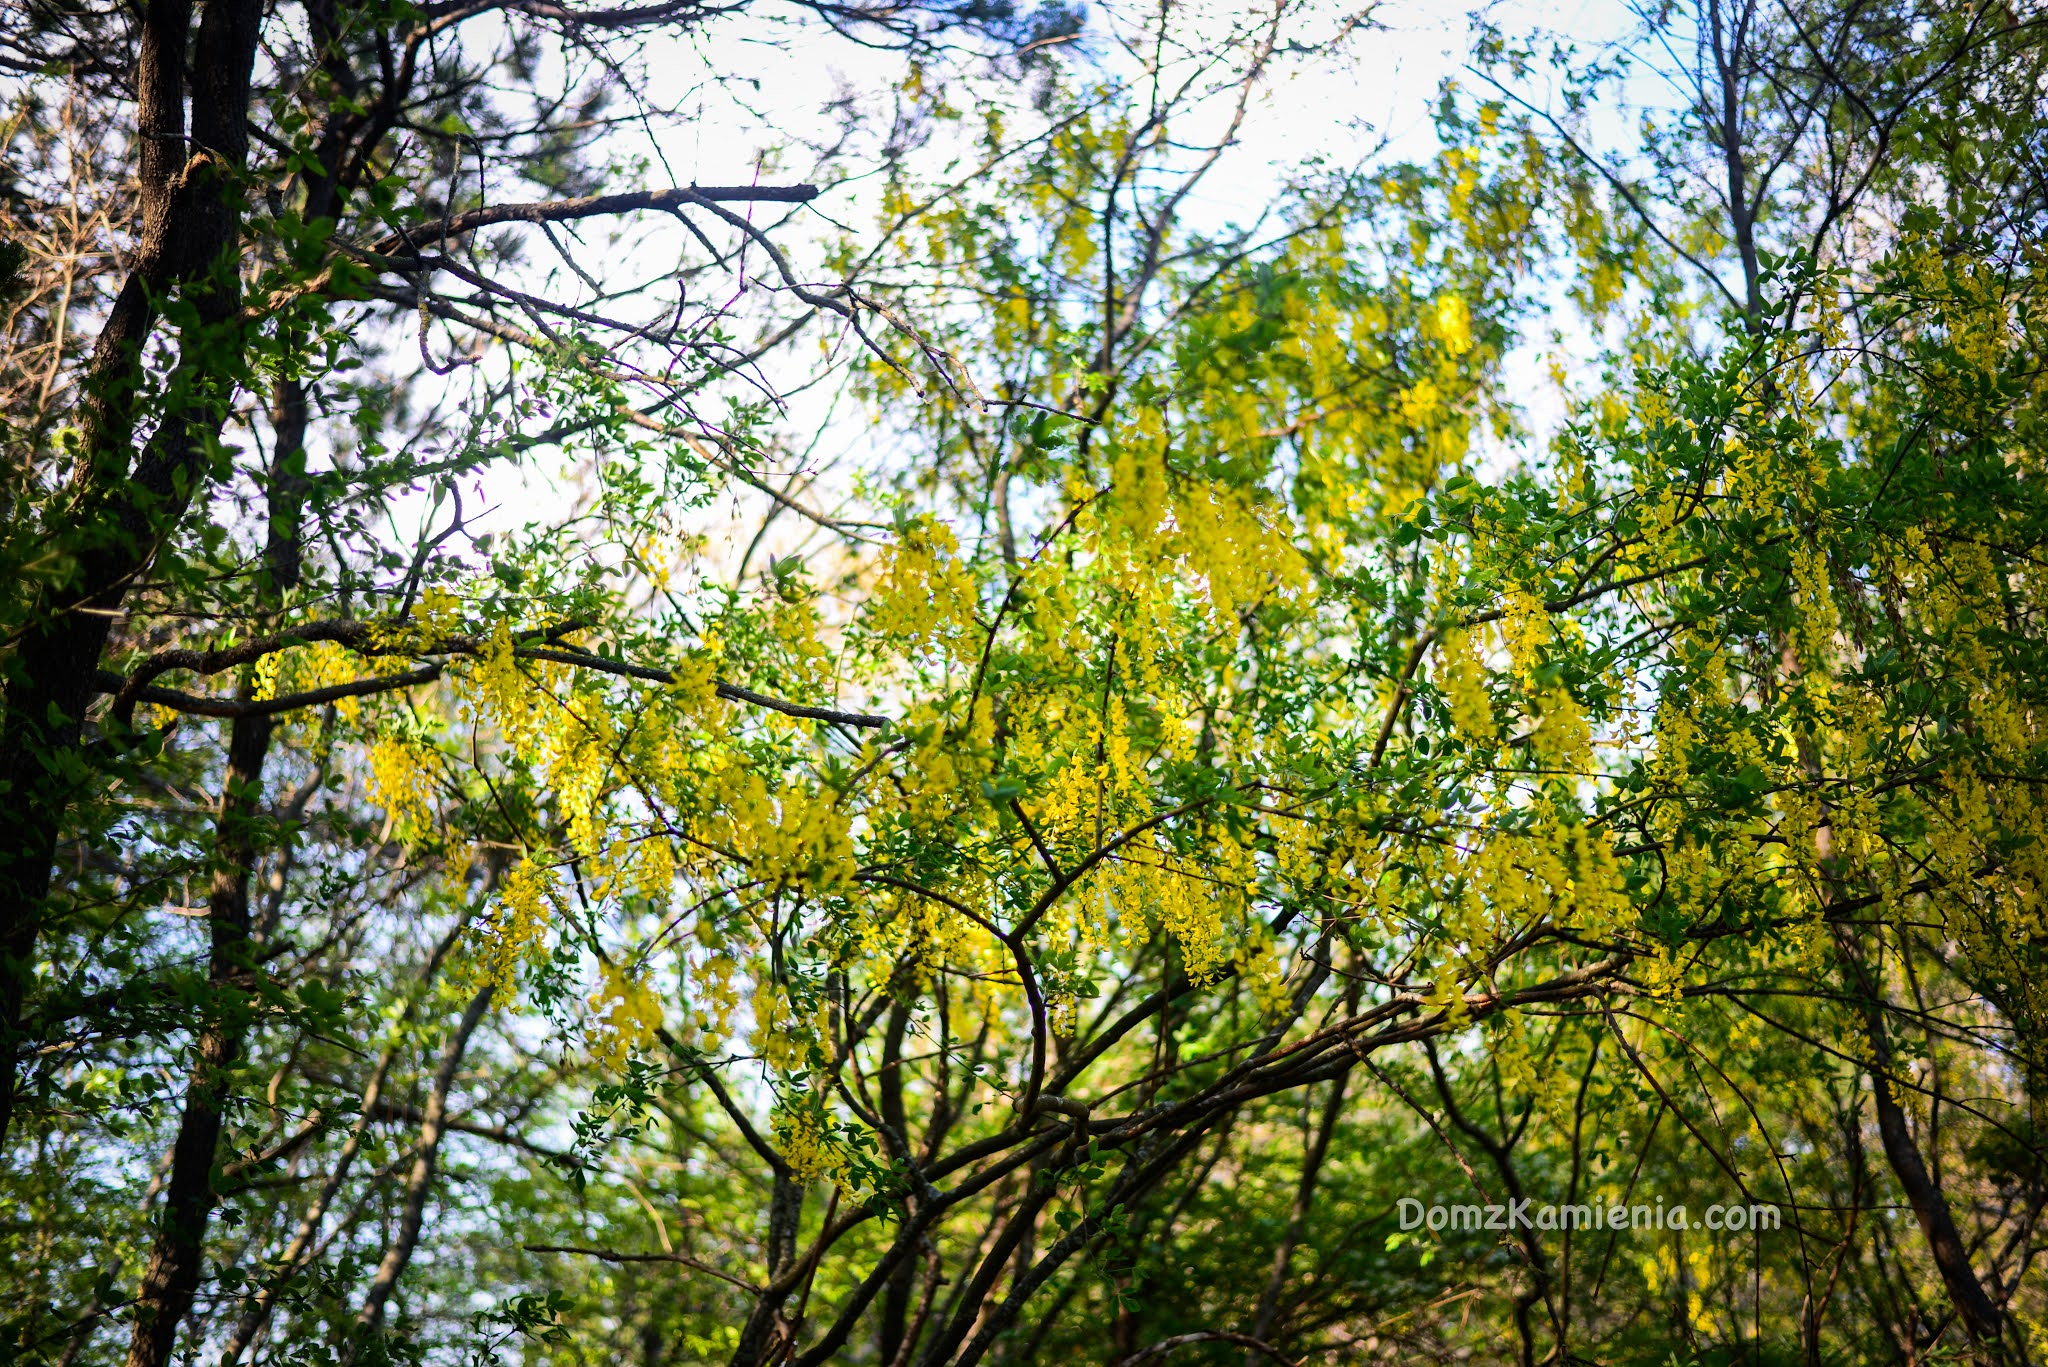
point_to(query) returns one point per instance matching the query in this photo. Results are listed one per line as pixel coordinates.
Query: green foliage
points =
(1233, 756)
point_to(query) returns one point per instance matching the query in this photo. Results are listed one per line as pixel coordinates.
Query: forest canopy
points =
(1083, 710)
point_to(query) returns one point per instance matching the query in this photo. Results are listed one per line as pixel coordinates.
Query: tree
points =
(235, 278)
(1220, 769)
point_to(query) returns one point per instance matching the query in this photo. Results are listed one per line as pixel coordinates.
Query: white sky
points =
(780, 81)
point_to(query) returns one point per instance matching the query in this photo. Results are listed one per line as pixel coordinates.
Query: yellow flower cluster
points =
(925, 597)
(627, 1016)
(788, 837)
(513, 927)
(801, 1139)
(1525, 626)
(1464, 685)
(402, 781)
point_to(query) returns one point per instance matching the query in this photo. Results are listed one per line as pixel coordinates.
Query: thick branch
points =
(131, 689)
(590, 206)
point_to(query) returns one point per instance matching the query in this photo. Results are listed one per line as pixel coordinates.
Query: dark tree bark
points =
(896, 1295)
(1981, 1317)
(419, 1183)
(172, 1275)
(1316, 1150)
(178, 1254)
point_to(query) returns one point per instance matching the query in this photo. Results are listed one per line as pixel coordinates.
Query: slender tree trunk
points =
(1030, 1204)
(1731, 57)
(1317, 1150)
(897, 1293)
(172, 1275)
(419, 1183)
(1981, 1317)
(785, 1212)
(257, 1314)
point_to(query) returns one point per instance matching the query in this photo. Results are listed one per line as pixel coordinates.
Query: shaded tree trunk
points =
(1981, 1317)
(172, 1275)
(419, 1183)
(177, 1255)
(1317, 1149)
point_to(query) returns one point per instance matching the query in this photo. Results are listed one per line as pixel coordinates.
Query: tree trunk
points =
(1316, 1150)
(785, 1212)
(419, 1183)
(178, 1253)
(172, 1275)
(1981, 1317)
(1951, 1258)
(897, 1293)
